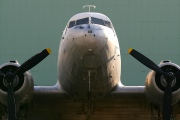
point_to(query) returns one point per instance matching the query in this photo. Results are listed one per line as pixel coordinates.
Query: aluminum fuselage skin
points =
(89, 60)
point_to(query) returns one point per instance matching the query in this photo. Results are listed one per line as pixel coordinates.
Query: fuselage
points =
(89, 56)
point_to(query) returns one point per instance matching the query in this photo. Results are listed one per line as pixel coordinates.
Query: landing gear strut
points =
(156, 114)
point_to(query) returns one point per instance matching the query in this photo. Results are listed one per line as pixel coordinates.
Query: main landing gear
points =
(156, 114)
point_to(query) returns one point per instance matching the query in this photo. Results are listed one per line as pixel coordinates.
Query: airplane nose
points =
(89, 41)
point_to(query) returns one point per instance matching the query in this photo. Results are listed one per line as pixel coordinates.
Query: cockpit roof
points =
(89, 14)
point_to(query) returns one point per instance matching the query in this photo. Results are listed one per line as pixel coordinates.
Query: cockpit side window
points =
(82, 21)
(108, 24)
(71, 24)
(97, 21)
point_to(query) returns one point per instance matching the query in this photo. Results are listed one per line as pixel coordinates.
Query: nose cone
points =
(90, 43)
(92, 38)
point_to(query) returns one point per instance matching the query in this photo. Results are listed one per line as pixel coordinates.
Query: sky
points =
(150, 26)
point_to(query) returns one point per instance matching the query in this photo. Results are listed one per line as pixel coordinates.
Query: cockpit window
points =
(97, 21)
(100, 22)
(82, 21)
(108, 24)
(93, 21)
(71, 24)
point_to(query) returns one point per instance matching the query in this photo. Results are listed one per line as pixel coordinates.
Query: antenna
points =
(89, 6)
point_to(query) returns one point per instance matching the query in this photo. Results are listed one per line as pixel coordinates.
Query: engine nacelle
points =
(155, 85)
(23, 85)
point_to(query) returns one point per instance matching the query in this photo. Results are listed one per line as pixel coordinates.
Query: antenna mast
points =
(89, 6)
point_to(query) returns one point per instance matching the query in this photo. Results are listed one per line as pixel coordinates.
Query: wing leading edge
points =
(126, 102)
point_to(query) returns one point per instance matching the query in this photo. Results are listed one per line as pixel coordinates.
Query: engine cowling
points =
(155, 85)
(23, 85)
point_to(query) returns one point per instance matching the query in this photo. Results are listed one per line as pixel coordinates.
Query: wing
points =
(128, 91)
(123, 102)
(129, 102)
(47, 101)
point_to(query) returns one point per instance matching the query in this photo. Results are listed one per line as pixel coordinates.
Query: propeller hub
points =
(10, 78)
(164, 81)
(15, 82)
(170, 75)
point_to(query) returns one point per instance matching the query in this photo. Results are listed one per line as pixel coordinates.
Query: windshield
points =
(97, 21)
(93, 21)
(82, 21)
(78, 22)
(100, 22)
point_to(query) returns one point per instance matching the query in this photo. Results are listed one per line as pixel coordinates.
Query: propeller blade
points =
(11, 106)
(167, 100)
(30, 63)
(146, 61)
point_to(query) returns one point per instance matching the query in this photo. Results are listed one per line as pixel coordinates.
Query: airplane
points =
(89, 80)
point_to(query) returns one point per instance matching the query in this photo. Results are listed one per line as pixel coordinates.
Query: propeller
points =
(9, 77)
(167, 99)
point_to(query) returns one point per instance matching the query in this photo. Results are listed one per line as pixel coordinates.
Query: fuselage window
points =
(108, 24)
(82, 21)
(97, 21)
(71, 24)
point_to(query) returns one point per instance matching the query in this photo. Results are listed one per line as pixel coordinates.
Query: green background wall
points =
(150, 26)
